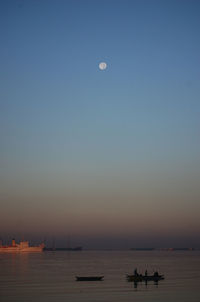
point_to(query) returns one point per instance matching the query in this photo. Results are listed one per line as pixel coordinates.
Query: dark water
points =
(50, 276)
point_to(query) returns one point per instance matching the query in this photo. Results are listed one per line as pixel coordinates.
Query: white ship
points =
(23, 246)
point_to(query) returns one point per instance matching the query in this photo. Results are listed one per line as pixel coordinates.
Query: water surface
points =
(50, 276)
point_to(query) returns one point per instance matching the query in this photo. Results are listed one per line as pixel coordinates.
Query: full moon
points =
(102, 65)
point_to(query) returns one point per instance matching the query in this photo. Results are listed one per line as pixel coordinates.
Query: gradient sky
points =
(109, 158)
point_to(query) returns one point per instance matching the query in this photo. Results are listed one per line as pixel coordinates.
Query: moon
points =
(102, 66)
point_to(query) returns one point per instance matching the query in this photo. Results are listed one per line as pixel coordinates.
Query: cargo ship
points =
(23, 246)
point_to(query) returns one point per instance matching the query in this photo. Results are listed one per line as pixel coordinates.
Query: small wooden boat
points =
(140, 278)
(89, 278)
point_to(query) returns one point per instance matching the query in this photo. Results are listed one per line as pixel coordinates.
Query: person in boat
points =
(135, 272)
(156, 274)
(146, 273)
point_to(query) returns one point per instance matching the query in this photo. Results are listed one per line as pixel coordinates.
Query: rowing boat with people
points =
(140, 278)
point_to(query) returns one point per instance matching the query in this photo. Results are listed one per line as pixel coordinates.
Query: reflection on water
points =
(50, 276)
(136, 283)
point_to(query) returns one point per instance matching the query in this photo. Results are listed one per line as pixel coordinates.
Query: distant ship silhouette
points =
(78, 248)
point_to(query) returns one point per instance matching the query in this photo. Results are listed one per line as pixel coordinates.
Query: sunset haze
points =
(108, 158)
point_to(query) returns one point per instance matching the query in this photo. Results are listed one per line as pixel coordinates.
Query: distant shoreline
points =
(131, 249)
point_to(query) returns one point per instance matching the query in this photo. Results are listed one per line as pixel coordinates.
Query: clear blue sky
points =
(94, 153)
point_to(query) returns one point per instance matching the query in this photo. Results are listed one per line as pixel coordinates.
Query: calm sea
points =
(50, 276)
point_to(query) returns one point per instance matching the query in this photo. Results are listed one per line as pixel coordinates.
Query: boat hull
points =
(18, 250)
(90, 278)
(132, 278)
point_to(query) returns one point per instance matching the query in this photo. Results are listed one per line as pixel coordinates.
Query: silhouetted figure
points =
(156, 274)
(135, 272)
(146, 273)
